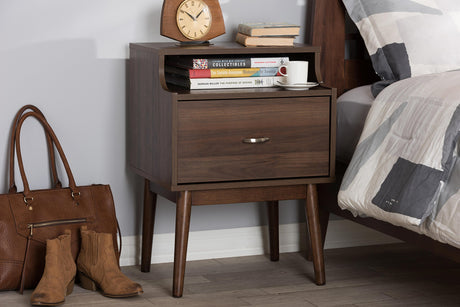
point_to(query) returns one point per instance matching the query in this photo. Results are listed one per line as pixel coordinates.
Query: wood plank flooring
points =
(387, 275)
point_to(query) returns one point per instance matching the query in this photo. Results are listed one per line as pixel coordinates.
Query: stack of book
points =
(223, 73)
(267, 34)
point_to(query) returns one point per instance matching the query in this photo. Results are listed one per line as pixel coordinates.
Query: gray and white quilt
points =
(405, 169)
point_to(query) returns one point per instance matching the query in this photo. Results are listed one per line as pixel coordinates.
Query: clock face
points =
(193, 19)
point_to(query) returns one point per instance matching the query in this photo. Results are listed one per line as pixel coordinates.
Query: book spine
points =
(234, 72)
(199, 73)
(246, 40)
(238, 62)
(269, 62)
(225, 83)
(269, 29)
(221, 63)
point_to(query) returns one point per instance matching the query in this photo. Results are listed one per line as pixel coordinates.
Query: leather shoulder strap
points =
(50, 132)
(12, 185)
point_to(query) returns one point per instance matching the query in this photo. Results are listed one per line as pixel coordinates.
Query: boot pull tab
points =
(94, 247)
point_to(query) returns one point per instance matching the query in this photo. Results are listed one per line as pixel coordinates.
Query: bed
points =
(403, 183)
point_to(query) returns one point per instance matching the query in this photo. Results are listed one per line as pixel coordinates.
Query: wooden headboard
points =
(331, 29)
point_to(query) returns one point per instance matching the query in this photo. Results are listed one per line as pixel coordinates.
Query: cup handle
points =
(280, 70)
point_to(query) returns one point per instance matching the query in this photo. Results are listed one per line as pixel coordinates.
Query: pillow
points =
(408, 38)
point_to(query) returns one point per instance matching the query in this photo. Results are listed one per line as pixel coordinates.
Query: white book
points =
(222, 83)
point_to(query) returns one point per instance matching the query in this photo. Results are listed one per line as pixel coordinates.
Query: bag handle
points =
(28, 199)
(12, 185)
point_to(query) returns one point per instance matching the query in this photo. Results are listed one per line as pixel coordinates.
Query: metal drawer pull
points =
(260, 140)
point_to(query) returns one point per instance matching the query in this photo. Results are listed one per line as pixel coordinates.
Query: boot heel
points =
(70, 286)
(86, 282)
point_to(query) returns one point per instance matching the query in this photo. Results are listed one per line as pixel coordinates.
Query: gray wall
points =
(68, 57)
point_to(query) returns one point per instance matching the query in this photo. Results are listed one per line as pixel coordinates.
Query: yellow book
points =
(246, 40)
(232, 72)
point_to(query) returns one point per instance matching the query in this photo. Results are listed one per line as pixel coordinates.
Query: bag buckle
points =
(28, 201)
(76, 195)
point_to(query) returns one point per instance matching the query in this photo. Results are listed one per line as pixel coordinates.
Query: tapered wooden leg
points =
(183, 211)
(273, 229)
(315, 234)
(309, 253)
(150, 200)
(323, 221)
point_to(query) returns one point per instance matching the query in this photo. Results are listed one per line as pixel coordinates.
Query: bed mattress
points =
(352, 109)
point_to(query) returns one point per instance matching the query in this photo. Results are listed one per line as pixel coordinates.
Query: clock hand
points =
(190, 16)
(199, 14)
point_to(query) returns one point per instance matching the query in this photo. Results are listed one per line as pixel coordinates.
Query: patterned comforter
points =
(405, 169)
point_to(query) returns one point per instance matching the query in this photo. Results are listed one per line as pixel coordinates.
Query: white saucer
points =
(297, 86)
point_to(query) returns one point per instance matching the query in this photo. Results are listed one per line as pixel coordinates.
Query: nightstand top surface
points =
(221, 47)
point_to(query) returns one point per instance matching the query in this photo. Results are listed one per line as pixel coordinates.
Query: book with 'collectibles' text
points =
(210, 63)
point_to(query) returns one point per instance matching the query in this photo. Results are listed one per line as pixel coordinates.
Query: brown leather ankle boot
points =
(59, 274)
(98, 266)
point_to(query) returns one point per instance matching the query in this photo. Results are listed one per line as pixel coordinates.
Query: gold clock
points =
(192, 20)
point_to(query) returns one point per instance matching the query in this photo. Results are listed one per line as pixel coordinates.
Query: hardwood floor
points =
(388, 275)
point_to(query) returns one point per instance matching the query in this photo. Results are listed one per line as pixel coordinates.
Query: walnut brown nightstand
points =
(205, 147)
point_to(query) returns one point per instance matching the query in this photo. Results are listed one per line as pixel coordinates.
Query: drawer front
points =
(214, 137)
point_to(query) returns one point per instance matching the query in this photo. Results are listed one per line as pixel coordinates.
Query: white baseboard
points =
(249, 241)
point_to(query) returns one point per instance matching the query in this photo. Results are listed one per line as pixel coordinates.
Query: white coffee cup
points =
(296, 72)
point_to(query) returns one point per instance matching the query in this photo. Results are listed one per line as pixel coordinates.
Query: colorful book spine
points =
(240, 63)
(226, 83)
(233, 72)
(211, 63)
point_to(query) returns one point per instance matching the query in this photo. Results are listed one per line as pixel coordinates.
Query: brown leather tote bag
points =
(29, 218)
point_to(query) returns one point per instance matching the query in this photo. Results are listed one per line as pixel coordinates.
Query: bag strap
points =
(27, 194)
(12, 185)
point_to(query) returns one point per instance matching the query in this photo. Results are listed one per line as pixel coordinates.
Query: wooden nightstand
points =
(191, 146)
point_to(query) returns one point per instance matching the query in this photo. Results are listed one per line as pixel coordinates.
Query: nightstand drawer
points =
(230, 140)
